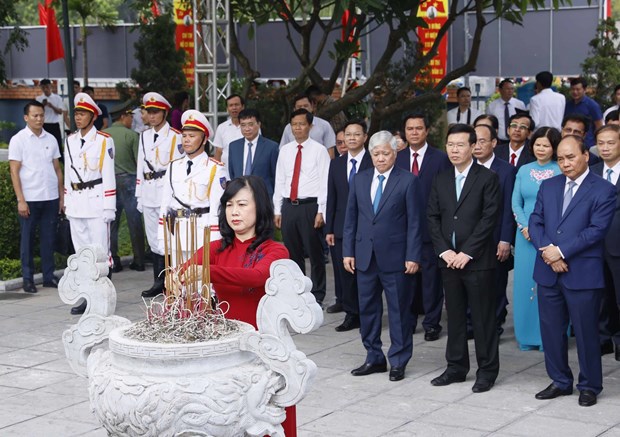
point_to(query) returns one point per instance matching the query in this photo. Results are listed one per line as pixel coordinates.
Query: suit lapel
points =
(581, 193)
(365, 185)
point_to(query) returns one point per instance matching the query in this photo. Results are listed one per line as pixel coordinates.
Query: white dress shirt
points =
(608, 110)
(36, 154)
(312, 177)
(375, 182)
(225, 134)
(453, 115)
(420, 157)
(516, 152)
(489, 162)
(615, 172)
(547, 109)
(358, 160)
(496, 108)
(50, 114)
(321, 132)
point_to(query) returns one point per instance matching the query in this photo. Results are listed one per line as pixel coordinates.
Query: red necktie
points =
(296, 171)
(513, 158)
(414, 167)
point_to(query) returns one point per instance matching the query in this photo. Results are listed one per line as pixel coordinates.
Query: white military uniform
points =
(150, 178)
(90, 185)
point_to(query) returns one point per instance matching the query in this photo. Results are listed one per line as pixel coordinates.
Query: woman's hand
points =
(525, 233)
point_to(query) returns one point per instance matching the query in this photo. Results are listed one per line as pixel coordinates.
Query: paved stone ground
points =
(40, 395)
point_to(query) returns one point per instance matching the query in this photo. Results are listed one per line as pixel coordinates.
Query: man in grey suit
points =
(253, 154)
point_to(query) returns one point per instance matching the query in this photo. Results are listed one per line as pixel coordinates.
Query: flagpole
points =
(68, 60)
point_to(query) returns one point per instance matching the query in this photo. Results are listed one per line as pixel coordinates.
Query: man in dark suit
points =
(462, 213)
(425, 162)
(572, 214)
(516, 152)
(341, 173)
(382, 243)
(504, 235)
(253, 154)
(608, 143)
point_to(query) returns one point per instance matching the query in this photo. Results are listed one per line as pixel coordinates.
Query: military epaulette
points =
(216, 161)
(176, 131)
(105, 134)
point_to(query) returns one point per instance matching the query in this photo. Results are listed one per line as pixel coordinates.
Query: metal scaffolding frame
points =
(212, 56)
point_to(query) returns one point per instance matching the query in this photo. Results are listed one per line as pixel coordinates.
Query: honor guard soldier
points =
(90, 185)
(159, 145)
(193, 187)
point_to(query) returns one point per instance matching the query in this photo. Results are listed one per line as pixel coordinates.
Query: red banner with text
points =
(185, 37)
(435, 13)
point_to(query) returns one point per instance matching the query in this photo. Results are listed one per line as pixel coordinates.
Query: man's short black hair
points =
(492, 131)
(302, 111)
(493, 119)
(616, 89)
(462, 89)
(249, 113)
(32, 103)
(579, 140)
(77, 82)
(88, 88)
(417, 115)
(545, 79)
(579, 80)
(312, 92)
(612, 115)
(504, 82)
(579, 118)
(522, 115)
(232, 96)
(358, 122)
(299, 97)
(45, 82)
(461, 128)
(607, 128)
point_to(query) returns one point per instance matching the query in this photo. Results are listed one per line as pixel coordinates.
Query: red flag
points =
(47, 17)
(155, 8)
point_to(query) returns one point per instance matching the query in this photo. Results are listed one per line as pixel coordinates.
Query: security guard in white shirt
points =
(158, 146)
(193, 186)
(90, 185)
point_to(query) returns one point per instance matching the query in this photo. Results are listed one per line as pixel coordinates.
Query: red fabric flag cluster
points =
(47, 17)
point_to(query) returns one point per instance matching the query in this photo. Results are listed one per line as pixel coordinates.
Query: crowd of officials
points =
(530, 188)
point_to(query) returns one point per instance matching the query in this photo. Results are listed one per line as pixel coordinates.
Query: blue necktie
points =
(353, 171)
(568, 196)
(459, 188)
(248, 161)
(609, 172)
(378, 193)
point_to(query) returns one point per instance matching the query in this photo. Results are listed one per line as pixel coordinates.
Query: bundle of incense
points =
(206, 266)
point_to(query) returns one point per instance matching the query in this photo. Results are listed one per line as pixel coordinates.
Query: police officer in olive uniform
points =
(158, 146)
(90, 185)
(193, 186)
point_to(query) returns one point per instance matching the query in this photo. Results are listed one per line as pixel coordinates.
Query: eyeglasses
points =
(519, 126)
(457, 146)
(339, 142)
(570, 131)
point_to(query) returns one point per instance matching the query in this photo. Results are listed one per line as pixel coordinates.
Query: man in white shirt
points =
(53, 110)
(321, 131)
(616, 99)
(505, 107)
(299, 199)
(547, 107)
(463, 113)
(230, 130)
(38, 186)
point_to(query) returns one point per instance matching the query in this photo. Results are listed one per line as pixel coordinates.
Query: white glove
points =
(109, 215)
(139, 206)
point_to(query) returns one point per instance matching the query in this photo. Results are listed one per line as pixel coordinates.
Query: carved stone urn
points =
(233, 386)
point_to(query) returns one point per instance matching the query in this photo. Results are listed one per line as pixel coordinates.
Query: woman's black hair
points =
(264, 211)
(552, 134)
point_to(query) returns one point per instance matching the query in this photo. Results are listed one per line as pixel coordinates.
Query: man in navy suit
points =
(516, 152)
(253, 154)
(572, 215)
(505, 229)
(608, 143)
(341, 173)
(382, 243)
(462, 214)
(425, 162)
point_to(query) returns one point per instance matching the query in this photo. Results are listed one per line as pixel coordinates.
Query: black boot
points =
(158, 279)
(79, 309)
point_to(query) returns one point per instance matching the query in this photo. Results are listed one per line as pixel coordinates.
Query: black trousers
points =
(476, 289)
(54, 129)
(348, 283)
(428, 290)
(609, 320)
(300, 236)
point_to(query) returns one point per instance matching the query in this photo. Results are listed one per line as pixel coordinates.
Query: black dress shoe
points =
(432, 334)
(335, 308)
(482, 385)
(53, 283)
(152, 292)
(29, 286)
(553, 392)
(117, 268)
(79, 309)
(587, 398)
(369, 369)
(350, 322)
(446, 379)
(607, 348)
(137, 267)
(397, 373)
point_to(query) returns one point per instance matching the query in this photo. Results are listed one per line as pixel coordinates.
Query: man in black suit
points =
(425, 162)
(608, 143)
(516, 152)
(341, 173)
(253, 154)
(462, 214)
(504, 235)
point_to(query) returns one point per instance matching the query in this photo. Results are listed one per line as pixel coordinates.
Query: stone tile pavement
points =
(41, 396)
